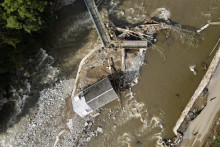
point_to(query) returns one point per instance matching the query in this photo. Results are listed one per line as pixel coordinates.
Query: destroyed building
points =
(94, 97)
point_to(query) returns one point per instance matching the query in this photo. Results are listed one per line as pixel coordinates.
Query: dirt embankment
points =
(120, 65)
(197, 118)
(212, 137)
(196, 109)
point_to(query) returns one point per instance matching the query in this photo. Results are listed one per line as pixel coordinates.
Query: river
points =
(165, 86)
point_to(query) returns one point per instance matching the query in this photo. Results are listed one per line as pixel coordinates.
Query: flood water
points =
(151, 114)
(161, 79)
(153, 111)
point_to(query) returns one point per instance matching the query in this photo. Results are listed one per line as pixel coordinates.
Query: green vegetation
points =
(217, 140)
(23, 14)
(21, 26)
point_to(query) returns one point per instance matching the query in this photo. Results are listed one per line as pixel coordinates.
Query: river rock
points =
(86, 124)
(99, 129)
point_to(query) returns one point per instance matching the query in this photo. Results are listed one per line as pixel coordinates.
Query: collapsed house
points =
(94, 97)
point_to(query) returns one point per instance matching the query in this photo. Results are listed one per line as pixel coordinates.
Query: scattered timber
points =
(120, 57)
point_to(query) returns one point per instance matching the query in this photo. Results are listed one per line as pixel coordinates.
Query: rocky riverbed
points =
(50, 124)
(42, 111)
(50, 120)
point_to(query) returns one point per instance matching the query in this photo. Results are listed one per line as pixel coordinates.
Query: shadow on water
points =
(20, 101)
(62, 41)
(5, 114)
(68, 35)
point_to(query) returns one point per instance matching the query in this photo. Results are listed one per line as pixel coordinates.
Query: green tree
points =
(23, 14)
(217, 140)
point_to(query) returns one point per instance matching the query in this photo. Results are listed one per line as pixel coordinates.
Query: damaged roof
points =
(94, 97)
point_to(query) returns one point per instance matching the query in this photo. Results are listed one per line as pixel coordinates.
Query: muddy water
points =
(161, 80)
(154, 109)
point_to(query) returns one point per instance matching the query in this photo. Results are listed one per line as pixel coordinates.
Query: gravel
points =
(48, 125)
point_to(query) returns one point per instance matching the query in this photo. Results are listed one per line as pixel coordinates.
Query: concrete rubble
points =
(99, 129)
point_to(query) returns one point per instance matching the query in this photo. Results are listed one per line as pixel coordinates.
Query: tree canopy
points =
(23, 14)
(17, 17)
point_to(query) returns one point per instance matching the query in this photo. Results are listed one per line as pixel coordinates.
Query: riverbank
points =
(21, 34)
(194, 123)
(198, 129)
(43, 112)
(213, 137)
(102, 62)
(152, 102)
